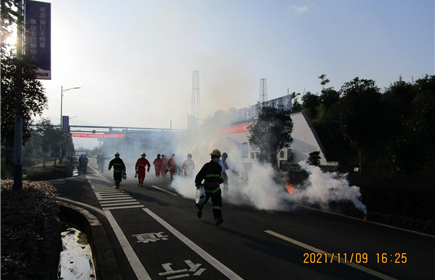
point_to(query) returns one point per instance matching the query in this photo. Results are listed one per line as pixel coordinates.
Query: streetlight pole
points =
(61, 117)
(61, 100)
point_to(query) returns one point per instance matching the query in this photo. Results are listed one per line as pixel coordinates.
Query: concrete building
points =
(305, 139)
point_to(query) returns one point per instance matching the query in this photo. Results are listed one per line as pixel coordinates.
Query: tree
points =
(271, 132)
(296, 106)
(422, 119)
(324, 80)
(357, 115)
(33, 100)
(310, 102)
(9, 17)
(397, 144)
(329, 97)
(314, 158)
(45, 138)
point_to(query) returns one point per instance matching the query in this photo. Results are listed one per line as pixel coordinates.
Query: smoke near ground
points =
(323, 188)
(250, 182)
(257, 184)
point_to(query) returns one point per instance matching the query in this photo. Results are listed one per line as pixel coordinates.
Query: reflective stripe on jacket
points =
(118, 165)
(210, 173)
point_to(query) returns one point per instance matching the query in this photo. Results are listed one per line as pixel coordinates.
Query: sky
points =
(134, 61)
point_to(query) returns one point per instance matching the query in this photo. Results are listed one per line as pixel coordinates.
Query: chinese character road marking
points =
(150, 237)
(193, 268)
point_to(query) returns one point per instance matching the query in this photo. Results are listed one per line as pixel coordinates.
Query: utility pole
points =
(195, 105)
(18, 133)
(263, 91)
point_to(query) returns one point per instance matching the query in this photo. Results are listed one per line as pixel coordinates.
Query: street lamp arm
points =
(70, 88)
(63, 90)
(61, 99)
(61, 123)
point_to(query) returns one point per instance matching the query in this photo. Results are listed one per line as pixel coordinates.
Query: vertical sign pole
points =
(18, 133)
(61, 122)
(61, 99)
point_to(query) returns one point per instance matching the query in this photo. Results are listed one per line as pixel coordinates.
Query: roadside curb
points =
(103, 256)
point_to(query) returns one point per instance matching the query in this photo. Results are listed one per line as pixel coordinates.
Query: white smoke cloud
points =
(261, 190)
(261, 187)
(324, 188)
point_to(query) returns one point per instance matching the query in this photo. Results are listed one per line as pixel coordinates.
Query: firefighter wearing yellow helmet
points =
(210, 177)
(118, 169)
(141, 165)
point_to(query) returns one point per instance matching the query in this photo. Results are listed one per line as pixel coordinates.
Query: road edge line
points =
(368, 222)
(135, 263)
(206, 256)
(342, 261)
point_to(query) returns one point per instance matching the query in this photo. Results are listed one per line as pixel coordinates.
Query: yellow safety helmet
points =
(143, 154)
(216, 153)
(116, 154)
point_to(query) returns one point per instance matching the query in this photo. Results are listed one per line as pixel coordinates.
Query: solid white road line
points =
(369, 222)
(163, 190)
(342, 261)
(211, 260)
(135, 263)
(100, 176)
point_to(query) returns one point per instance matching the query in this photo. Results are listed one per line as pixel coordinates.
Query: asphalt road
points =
(156, 234)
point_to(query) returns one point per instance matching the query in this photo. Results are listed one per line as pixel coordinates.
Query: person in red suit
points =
(163, 168)
(158, 162)
(188, 166)
(172, 166)
(140, 166)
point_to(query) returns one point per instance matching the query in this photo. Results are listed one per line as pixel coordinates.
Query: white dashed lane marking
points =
(116, 199)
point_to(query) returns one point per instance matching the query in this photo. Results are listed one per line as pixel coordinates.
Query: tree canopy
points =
(33, 100)
(391, 130)
(271, 132)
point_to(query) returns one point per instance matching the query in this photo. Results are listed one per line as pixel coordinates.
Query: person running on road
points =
(224, 175)
(98, 160)
(172, 166)
(210, 173)
(163, 168)
(158, 165)
(80, 163)
(140, 166)
(102, 162)
(188, 166)
(85, 161)
(118, 169)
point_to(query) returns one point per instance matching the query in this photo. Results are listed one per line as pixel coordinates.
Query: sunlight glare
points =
(11, 40)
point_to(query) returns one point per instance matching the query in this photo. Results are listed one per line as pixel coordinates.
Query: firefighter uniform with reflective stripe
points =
(211, 174)
(118, 169)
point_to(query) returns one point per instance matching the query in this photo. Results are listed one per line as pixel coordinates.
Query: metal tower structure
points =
(263, 90)
(195, 113)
